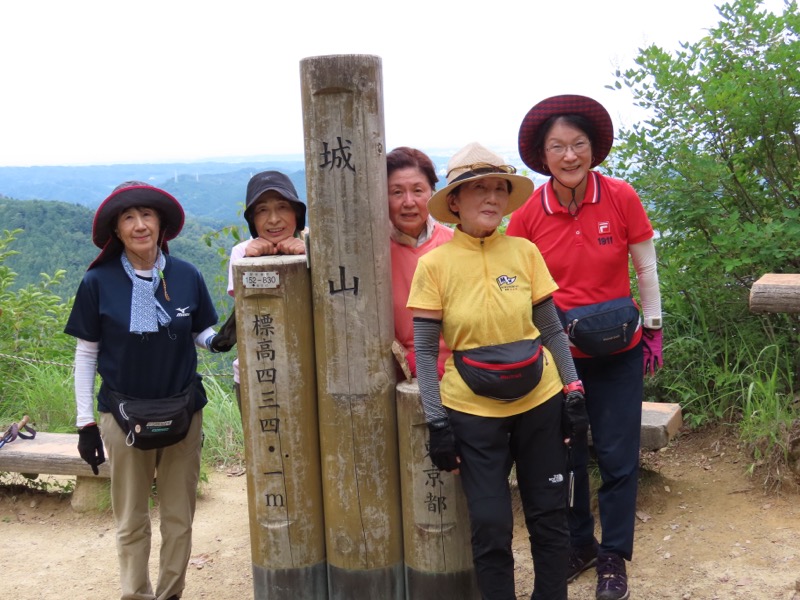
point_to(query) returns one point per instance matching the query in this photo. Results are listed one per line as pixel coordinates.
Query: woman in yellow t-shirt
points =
(510, 394)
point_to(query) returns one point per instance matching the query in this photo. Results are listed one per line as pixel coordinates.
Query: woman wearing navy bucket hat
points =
(587, 226)
(138, 315)
(510, 395)
(276, 218)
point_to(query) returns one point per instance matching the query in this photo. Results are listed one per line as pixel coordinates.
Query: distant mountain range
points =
(55, 206)
(207, 189)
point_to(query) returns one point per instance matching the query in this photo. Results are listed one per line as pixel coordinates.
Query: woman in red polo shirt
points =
(586, 226)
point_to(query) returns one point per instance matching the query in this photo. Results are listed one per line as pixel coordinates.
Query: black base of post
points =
(421, 585)
(372, 584)
(307, 583)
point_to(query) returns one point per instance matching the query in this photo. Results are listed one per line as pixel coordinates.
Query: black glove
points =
(442, 445)
(574, 419)
(225, 339)
(90, 446)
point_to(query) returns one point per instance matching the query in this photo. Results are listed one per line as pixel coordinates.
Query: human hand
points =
(90, 446)
(574, 418)
(260, 247)
(291, 245)
(652, 346)
(443, 446)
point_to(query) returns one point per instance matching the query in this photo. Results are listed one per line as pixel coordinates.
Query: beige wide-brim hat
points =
(472, 162)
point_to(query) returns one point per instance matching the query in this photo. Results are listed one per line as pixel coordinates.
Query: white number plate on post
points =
(261, 279)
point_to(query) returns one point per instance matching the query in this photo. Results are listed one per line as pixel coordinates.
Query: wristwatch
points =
(652, 322)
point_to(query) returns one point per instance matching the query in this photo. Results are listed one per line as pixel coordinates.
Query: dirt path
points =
(705, 531)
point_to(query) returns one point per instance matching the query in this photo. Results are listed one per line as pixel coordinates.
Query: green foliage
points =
(31, 322)
(36, 374)
(717, 163)
(57, 236)
(222, 424)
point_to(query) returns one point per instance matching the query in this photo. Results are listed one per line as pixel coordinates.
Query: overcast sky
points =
(101, 82)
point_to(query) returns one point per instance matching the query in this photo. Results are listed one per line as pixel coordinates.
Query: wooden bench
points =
(776, 293)
(57, 454)
(660, 422)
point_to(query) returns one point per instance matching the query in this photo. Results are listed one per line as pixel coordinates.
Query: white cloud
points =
(101, 82)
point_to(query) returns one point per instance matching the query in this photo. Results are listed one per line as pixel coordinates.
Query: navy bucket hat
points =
(272, 181)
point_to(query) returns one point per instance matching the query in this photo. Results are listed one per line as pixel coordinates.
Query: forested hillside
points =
(58, 235)
(210, 189)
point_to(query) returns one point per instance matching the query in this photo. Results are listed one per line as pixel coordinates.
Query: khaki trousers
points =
(177, 472)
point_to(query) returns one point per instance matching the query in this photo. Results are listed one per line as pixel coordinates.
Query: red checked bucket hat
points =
(531, 141)
(127, 195)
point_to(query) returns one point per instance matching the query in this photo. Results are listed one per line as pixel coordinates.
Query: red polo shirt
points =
(587, 253)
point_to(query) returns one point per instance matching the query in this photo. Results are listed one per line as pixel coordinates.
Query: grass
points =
(45, 392)
(731, 375)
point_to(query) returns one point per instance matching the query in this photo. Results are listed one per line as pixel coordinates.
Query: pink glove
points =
(652, 342)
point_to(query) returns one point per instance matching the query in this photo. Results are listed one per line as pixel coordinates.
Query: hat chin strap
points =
(573, 205)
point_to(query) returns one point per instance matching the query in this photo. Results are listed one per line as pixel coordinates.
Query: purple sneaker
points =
(612, 580)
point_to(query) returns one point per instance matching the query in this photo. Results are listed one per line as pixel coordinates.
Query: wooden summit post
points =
(281, 436)
(436, 526)
(350, 259)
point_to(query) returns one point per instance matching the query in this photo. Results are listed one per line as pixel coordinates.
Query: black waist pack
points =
(503, 372)
(603, 328)
(153, 423)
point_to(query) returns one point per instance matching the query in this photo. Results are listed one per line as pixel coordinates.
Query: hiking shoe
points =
(612, 580)
(580, 559)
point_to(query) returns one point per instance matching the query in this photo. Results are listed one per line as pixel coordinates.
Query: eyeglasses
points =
(481, 169)
(578, 148)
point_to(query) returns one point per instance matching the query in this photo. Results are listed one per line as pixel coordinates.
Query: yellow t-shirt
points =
(486, 289)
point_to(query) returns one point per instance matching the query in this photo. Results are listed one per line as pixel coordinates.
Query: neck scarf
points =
(146, 312)
(415, 242)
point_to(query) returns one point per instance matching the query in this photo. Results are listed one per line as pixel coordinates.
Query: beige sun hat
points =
(474, 161)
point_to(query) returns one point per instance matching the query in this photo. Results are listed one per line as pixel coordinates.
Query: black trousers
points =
(614, 392)
(488, 447)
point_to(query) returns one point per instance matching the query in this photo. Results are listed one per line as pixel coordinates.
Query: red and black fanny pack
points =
(504, 371)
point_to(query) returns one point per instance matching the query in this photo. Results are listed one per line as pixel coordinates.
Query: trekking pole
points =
(18, 430)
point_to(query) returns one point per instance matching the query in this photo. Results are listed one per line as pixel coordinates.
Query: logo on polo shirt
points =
(604, 237)
(182, 312)
(506, 282)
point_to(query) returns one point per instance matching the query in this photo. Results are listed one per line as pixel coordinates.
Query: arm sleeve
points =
(549, 325)
(230, 270)
(426, 347)
(202, 339)
(643, 256)
(85, 370)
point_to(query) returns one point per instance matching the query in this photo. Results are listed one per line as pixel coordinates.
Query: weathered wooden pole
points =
(350, 262)
(279, 411)
(436, 528)
(776, 293)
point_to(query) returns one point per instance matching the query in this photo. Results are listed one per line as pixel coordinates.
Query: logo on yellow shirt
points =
(506, 282)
